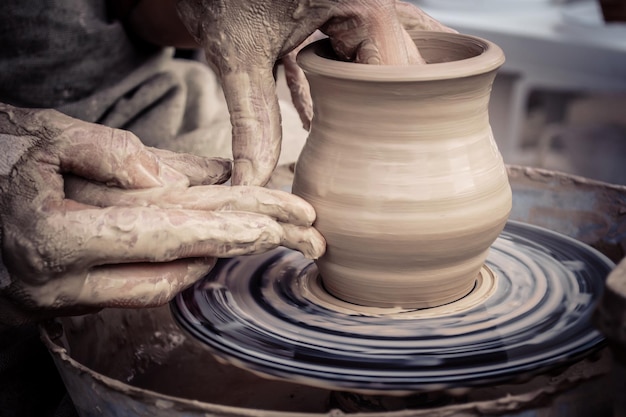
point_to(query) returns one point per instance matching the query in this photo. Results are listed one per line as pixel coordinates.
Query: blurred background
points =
(559, 102)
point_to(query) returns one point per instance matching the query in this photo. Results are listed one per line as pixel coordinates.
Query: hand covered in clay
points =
(243, 40)
(90, 218)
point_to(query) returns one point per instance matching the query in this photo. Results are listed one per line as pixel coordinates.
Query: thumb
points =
(255, 117)
(199, 170)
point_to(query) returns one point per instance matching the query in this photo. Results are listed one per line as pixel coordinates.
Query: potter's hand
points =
(243, 39)
(411, 18)
(65, 255)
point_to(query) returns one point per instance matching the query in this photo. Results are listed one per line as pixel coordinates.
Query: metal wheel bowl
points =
(139, 363)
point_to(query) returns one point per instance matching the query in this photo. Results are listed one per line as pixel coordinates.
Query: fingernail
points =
(317, 247)
(200, 267)
(306, 240)
(224, 171)
(149, 179)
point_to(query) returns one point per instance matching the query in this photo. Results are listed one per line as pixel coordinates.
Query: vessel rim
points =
(490, 59)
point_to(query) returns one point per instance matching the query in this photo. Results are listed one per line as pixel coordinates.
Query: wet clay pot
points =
(404, 173)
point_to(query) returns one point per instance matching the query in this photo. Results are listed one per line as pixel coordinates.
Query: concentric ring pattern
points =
(260, 313)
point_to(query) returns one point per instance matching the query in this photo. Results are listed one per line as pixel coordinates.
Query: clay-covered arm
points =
(91, 218)
(243, 40)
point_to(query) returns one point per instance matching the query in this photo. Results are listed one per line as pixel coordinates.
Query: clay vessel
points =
(403, 170)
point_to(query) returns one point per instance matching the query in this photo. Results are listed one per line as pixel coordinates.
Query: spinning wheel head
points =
(528, 312)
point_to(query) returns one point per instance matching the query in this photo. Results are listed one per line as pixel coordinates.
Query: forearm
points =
(155, 21)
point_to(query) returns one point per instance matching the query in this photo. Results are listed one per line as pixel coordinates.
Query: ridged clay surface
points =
(403, 171)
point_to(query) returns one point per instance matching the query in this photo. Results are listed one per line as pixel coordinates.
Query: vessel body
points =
(403, 171)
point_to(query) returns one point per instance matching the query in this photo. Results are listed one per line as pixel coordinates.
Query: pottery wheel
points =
(529, 312)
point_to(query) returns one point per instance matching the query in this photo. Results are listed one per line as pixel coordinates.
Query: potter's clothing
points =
(58, 51)
(73, 56)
